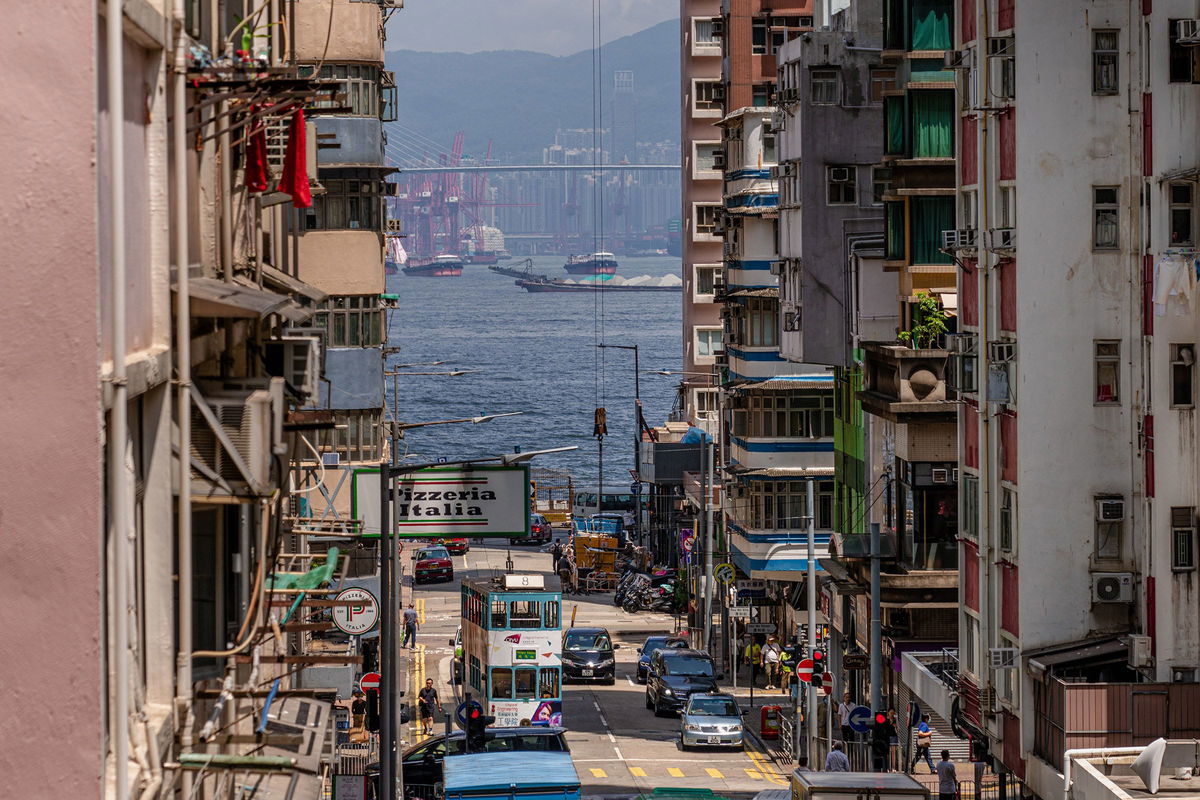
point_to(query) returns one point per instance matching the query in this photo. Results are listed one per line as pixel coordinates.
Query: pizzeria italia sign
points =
(447, 502)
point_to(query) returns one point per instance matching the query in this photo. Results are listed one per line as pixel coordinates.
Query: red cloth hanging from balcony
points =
(294, 180)
(256, 153)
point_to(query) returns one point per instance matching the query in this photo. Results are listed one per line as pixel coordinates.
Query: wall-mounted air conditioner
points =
(718, 27)
(718, 93)
(962, 239)
(296, 359)
(235, 433)
(1002, 657)
(839, 174)
(718, 160)
(1112, 587)
(957, 59)
(1139, 652)
(1187, 32)
(1002, 240)
(939, 475)
(1002, 352)
(1110, 509)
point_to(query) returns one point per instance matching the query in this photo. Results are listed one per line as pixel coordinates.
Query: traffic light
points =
(818, 672)
(477, 723)
(880, 741)
(372, 720)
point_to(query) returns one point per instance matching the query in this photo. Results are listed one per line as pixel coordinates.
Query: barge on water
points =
(443, 266)
(559, 285)
(594, 264)
(524, 271)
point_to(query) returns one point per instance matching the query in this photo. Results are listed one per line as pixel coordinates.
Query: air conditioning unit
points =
(394, 225)
(719, 282)
(777, 268)
(1139, 652)
(776, 122)
(731, 338)
(839, 174)
(789, 96)
(1110, 509)
(957, 59)
(1002, 352)
(960, 240)
(954, 474)
(718, 27)
(939, 475)
(296, 359)
(1187, 32)
(1002, 657)
(1001, 47)
(719, 160)
(791, 320)
(1003, 240)
(235, 434)
(1112, 587)
(987, 700)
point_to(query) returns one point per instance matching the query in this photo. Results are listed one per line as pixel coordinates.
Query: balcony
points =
(906, 385)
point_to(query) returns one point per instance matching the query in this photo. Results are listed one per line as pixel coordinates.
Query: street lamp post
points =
(637, 439)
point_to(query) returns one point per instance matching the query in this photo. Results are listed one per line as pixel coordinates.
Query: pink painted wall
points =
(51, 504)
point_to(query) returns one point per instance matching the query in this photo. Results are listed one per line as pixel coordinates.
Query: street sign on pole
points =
(359, 618)
(739, 612)
(369, 682)
(804, 670)
(760, 627)
(860, 719)
(724, 573)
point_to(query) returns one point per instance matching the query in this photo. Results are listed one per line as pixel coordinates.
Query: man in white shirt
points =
(844, 716)
(770, 660)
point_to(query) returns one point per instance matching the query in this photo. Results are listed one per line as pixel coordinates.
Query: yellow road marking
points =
(713, 773)
(753, 773)
(420, 610)
(766, 767)
(598, 773)
(675, 772)
(637, 772)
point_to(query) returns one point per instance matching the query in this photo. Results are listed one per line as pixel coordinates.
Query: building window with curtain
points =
(759, 325)
(1108, 372)
(360, 83)
(881, 183)
(823, 86)
(894, 229)
(1105, 218)
(931, 25)
(352, 321)
(353, 200)
(842, 185)
(933, 115)
(895, 126)
(882, 80)
(1105, 68)
(929, 216)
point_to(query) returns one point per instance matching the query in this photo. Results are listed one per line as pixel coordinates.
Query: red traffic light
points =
(475, 712)
(818, 655)
(880, 718)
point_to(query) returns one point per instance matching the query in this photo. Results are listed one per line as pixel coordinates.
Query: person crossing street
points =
(427, 698)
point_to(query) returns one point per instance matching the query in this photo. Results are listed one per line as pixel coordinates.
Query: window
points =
(881, 183)
(474, 673)
(708, 97)
(1008, 512)
(1105, 70)
(550, 608)
(1183, 375)
(703, 41)
(526, 682)
(705, 216)
(758, 37)
(1183, 538)
(842, 182)
(789, 184)
(1182, 67)
(353, 200)
(708, 342)
(1182, 213)
(1104, 218)
(360, 84)
(760, 95)
(705, 280)
(970, 506)
(1108, 535)
(548, 683)
(882, 80)
(823, 87)
(770, 153)
(792, 415)
(705, 156)
(360, 439)
(706, 404)
(966, 652)
(967, 202)
(352, 321)
(776, 505)
(499, 615)
(1108, 370)
(758, 324)
(502, 683)
(525, 614)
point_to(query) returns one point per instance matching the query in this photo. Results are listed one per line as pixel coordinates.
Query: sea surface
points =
(533, 353)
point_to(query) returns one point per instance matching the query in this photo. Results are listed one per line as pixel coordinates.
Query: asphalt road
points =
(619, 747)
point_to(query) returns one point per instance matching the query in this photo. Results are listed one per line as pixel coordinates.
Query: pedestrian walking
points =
(837, 761)
(947, 778)
(848, 733)
(770, 662)
(411, 625)
(924, 741)
(358, 709)
(427, 698)
(894, 757)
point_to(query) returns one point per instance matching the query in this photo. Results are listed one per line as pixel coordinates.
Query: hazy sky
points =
(558, 27)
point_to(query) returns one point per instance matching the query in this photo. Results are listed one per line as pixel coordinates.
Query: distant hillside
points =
(518, 98)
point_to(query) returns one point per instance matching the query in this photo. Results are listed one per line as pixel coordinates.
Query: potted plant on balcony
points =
(929, 323)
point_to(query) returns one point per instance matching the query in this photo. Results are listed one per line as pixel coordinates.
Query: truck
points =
(808, 785)
(508, 776)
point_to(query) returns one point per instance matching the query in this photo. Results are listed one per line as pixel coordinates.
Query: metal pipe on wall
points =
(118, 428)
(811, 580)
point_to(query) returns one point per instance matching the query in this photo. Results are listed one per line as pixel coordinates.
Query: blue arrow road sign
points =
(860, 719)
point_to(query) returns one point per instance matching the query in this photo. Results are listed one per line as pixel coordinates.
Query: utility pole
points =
(876, 627)
(811, 577)
(387, 639)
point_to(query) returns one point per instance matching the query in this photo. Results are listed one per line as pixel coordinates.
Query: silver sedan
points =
(711, 720)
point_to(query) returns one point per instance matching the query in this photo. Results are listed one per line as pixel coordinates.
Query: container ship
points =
(594, 264)
(443, 266)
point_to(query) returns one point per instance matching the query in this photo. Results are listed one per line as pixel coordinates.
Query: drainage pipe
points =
(1087, 752)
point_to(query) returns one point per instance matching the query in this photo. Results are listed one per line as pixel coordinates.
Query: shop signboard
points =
(447, 502)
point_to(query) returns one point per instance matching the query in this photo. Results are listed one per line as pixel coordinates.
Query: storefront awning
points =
(780, 384)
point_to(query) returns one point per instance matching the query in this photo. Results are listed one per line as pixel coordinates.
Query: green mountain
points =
(518, 98)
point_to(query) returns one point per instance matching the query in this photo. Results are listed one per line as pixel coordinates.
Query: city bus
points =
(512, 646)
(584, 505)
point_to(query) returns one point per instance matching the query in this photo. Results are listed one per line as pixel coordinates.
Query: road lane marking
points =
(613, 739)
(631, 681)
(765, 766)
(421, 610)
(675, 772)
(714, 773)
(598, 773)
(753, 774)
(637, 772)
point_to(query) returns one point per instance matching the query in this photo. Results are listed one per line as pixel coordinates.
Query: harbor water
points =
(533, 353)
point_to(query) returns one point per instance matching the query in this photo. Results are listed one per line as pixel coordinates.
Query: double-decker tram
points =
(512, 646)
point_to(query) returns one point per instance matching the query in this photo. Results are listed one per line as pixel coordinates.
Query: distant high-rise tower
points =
(623, 143)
